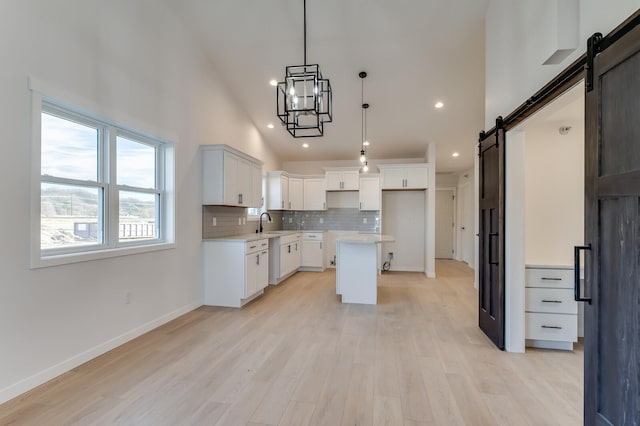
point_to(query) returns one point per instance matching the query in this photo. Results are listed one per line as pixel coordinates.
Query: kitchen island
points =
(357, 267)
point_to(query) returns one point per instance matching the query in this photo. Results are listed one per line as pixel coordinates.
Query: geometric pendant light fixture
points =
(304, 97)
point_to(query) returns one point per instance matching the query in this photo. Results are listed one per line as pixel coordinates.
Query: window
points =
(102, 190)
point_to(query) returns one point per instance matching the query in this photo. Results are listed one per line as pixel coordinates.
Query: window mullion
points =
(112, 195)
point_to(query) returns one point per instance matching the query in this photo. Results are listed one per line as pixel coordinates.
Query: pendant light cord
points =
(305, 31)
(363, 114)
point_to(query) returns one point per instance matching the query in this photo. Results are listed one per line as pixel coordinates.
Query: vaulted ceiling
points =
(416, 52)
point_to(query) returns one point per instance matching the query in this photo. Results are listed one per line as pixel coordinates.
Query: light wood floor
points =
(297, 356)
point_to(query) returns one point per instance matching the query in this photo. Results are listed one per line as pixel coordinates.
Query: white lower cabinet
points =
(235, 271)
(312, 251)
(284, 257)
(551, 313)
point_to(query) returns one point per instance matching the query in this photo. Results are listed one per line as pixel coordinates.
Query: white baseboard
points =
(44, 376)
(406, 269)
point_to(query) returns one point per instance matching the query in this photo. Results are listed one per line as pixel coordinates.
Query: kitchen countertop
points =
(256, 236)
(366, 238)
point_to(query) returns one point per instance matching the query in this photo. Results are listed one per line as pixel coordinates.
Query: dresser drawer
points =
(551, 300)
(552, 278)
(257, 245)
(288, 239)
(557, 327)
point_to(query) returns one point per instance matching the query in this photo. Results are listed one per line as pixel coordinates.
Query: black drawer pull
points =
(551, 279)
(551, 301)
(551, 326)
(252, 247)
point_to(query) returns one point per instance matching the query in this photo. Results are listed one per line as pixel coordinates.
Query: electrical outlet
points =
(290, 220)
(321, 220)
(244, 220)
(127, 297)
(364, 220)
(239, 221)
(213, 221)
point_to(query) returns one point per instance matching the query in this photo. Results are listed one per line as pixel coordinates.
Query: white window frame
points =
(111, 246)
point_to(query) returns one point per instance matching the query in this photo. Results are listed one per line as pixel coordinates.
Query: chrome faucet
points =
(268, 215)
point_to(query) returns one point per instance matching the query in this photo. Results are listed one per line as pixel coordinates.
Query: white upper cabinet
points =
(315, 194)
(343, 178)
(370, 194)
(230, 177)
(278, 191)
(404, 176)
(296, 194)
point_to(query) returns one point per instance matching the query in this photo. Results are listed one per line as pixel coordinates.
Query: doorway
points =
(445, 223)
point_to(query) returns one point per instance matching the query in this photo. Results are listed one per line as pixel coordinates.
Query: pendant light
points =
(304, 97)
(365, 143)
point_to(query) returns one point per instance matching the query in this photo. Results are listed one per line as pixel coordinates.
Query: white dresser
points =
(551, 313)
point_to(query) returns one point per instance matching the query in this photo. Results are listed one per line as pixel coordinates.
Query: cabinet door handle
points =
(550, 279)
(282, 202)
(252, 247)
(289, 248)
(239, 198)
(360, 205)
(551, 301)
(296, 246)
(324, 205)
(257, 259)
(320, 245)
(289, 205)
(552, 326)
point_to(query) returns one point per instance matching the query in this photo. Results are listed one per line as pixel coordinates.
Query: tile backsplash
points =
(338, 219)
(227, 222)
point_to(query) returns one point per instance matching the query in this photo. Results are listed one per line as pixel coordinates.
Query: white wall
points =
(130, 62)
(554, 197)
(403, 217)
(517, 44)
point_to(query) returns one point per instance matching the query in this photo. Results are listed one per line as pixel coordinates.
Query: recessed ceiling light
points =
(273, 82)
(305, 145)
(439, 105)
(365, 143)
(270, 126)
(455, 154)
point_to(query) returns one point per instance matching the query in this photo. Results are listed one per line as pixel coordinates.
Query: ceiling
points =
(416, 52)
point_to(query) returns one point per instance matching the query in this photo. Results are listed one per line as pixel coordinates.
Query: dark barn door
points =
(491, 253)
(612, 230)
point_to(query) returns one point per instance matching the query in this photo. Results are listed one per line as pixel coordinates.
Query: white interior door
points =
(445, 223)
(465, 225)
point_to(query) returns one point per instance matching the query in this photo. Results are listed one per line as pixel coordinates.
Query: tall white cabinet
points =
(370, 195)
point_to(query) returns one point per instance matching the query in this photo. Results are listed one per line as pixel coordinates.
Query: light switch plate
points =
(213, 222)
(364, 220)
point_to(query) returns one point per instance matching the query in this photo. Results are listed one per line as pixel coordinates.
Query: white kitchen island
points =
(357, 267)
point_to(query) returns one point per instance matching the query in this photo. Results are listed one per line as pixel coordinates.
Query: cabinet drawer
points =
(312, 236)
(551, 300)
(557, 327)
(287, 239)
(552, 278)
(253, 246)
